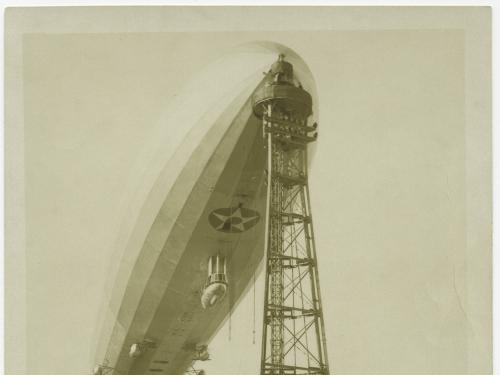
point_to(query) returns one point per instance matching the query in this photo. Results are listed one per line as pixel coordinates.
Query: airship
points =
(201, 251)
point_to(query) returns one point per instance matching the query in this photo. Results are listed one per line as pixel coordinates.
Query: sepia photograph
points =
(250, 190)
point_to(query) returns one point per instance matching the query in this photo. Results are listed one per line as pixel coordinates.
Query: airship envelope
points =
(201, 193)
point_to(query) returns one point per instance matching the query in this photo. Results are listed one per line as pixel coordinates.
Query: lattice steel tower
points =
(293, 340)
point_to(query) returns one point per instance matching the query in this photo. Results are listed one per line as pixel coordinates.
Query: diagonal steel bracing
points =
(293, 340)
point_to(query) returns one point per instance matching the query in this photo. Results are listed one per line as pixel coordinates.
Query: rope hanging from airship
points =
(253, 317)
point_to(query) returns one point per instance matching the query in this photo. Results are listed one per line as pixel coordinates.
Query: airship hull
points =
(223, 214)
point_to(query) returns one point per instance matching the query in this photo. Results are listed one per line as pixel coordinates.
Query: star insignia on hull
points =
(233, 219)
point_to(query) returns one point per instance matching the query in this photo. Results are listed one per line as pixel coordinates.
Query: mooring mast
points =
(293, 340)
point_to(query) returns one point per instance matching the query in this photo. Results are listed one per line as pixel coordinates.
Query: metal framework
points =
(293, 340)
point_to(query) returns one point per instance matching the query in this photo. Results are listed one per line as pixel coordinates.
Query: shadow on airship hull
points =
(214, 206)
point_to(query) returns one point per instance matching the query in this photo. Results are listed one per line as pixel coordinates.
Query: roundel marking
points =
(233, 219)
